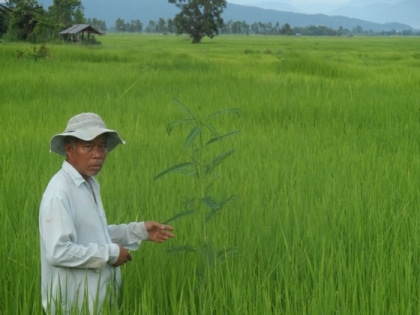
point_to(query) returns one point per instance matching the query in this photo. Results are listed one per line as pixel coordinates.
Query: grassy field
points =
(326, 169)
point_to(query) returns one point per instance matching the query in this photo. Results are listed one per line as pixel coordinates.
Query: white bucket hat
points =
(86, 127)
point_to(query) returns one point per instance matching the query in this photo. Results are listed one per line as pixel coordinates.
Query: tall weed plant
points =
(202, 167)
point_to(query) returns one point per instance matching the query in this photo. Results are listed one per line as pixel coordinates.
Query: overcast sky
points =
(310, 6)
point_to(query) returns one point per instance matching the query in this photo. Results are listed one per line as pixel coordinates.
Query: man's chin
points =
(94, 170)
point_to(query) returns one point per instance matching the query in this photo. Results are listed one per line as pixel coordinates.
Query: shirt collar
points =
(73, 173)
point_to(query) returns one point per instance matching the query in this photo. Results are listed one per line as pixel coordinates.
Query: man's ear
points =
(68, 148)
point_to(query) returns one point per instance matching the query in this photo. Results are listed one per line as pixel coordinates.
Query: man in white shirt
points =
(80, 252)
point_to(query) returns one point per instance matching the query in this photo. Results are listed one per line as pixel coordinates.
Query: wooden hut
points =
(80, 33)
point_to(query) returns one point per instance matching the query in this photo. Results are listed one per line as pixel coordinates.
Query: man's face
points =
(87, 157)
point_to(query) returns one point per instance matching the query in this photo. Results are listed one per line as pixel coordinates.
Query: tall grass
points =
(326, 169)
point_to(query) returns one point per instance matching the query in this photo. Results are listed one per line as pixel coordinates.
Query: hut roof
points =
(79, 28)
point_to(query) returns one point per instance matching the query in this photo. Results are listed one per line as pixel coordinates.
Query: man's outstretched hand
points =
(158, 232)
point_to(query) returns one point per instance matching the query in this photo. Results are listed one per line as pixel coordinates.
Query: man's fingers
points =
(169, 234)
(167, 227)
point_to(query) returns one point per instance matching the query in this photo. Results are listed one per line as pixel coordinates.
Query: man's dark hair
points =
(70, 140)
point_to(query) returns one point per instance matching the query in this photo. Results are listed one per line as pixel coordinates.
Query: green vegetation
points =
(29, 21)
(326, 168)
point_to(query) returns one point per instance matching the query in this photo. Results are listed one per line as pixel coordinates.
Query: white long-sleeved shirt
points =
(78, 247)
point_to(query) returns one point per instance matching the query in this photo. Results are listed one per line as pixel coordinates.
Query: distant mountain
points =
(275, 5)
(407, 11)
(236, 12)
(147, 10)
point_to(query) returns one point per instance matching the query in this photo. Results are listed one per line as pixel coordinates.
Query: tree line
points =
(243, 28)
(26, 20)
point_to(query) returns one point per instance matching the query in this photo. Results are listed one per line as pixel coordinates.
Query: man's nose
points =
(98, 151)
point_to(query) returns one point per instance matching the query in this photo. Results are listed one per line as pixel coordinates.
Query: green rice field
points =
(325, 173)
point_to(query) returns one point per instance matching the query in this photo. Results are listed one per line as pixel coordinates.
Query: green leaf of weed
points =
(236, 111)
(217, 160)
(194, 133)
(217, 138)
(177, 123)
(179, 215)
(211, 203)
(220, 205)
(175, 168)
(190, 113)
(212, 129)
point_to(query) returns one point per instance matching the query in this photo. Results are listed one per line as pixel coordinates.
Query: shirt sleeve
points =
(59, 238)
(128, 235)
(114, 253)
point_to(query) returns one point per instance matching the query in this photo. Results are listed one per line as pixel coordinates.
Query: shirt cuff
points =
(141, 231)
(114, 253)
